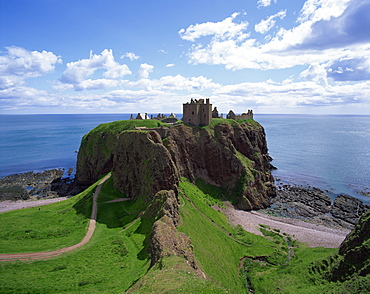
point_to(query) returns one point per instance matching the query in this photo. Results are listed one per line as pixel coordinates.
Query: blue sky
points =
(111, 56)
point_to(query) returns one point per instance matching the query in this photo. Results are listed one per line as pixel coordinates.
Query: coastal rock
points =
(348, 209)
(314, 205)
(230, 155)
(23, 186)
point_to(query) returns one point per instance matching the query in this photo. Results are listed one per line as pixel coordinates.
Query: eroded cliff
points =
(226, 154)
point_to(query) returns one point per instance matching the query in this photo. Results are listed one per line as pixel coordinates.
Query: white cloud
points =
(265, 3)
(170, 65)
(97, 84)
(77, 72)
(144, 70)
(222, 30)
(291, 96)
(131, 56)
(175, 83)
(267, 24)
(326, 32)
(350, 69)
(316, 10)
(19, 64)
(317, 73)
(117, 71)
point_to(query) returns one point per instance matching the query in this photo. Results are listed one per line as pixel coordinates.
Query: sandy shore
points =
(8, 205)
(311, 234)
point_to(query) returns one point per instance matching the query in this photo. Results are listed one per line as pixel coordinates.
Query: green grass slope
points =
(47, 227)
(116, 258)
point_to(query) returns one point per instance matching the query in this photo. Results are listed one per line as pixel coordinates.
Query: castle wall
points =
(197, 112)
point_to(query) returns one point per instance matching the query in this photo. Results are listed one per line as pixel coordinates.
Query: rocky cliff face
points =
(148, 167)
(232, 156)
(352, 263)
(142, 166)
(229, 155)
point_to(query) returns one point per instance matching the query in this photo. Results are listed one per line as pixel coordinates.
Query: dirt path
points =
(47, 254)
(118, 200)
(313, 235)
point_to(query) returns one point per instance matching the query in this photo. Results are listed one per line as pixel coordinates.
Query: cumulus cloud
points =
(294, 95)
(19, 64)
(348, 28)
(326, 31)
(170, 65)
(222, 30)
(144, 70)
(267, 24)
(117, 71)
(316, 72)
(131, 56)
(77, 72)
(265, 3)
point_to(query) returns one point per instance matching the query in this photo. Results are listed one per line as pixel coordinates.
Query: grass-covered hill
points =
(227, 153)
(170, 236)
(116, 260)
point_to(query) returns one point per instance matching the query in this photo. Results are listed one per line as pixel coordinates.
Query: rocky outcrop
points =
(47, 184)
(165, 239)
(142, 166)
(351, 265)
(95, 157)
(228, 155)
(313, 205)
(348, 209)
(231, 156)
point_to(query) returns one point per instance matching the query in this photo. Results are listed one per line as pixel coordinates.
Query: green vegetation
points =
(116, 259)
(109, 131)
(250, 122)
(123, 125)
(47, 227)
(173, 275)
(110, 263)
(216, 242)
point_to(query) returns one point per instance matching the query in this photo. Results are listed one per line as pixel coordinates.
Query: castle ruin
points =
(232, 115)
(197, 112)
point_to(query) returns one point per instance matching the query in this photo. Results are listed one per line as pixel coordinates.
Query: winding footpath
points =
(48, 254)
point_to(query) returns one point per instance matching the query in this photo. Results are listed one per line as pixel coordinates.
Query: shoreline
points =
(311, 234)
(9, 205)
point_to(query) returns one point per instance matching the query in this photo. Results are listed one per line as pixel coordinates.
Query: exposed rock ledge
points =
(313, 205)
(47, 184)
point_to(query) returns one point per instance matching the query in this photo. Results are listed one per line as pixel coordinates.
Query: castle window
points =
(192, 112)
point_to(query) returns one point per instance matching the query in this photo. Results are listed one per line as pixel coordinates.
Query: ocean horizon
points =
(331, 152)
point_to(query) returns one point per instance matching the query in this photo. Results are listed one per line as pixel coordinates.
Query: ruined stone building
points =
(232, 115)
(197, 112)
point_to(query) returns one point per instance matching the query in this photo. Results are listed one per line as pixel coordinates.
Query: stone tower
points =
(197, 112)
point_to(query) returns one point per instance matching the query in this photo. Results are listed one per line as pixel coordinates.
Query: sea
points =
(331, 152)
